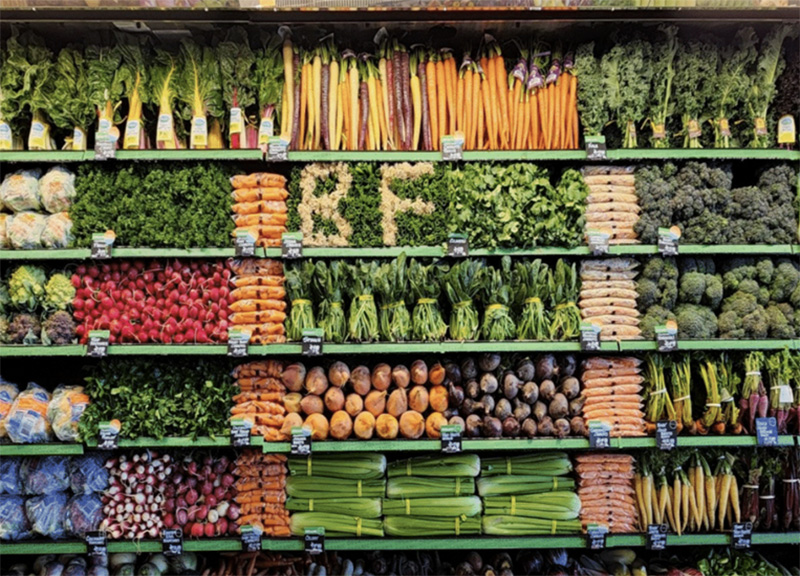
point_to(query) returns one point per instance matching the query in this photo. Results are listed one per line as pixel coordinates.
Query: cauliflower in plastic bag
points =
(14, 523)
(75, 567)
(58, 292)
(26, 422)
(24, 230)
(26, 286)
(57, 232)
(84, 514)
(57, 190)
(8, 392)
(4, 242)
(20, 191)
(44, 475)
(46, 514)
(88, 473)
(10, 482)
(64, 411)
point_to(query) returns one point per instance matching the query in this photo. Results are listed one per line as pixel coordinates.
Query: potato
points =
(341, 425)
(312, 404)
(438, 398)
(436, 374)
(354, 404)
(360, 378)
(292, 420)
(397, 402)
(434, 423)
(401, 376)
(418, 398)
(318, 425)
(419, 372)
(334, 399)
(375, 402)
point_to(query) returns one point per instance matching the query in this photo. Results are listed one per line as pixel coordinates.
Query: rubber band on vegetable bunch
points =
(565, 316)
(463, 283)
(299, 284)
(496, 296)
(427, 324)
(531, 287)
(391, 285)
(330, 280)
(363, 319)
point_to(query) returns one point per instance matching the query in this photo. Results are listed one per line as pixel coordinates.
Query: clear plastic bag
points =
(88, 473)
(14, 523)
(75, 567)
(84, 514)
(26, 422)
(44, 475)
(8, 392)
(10, 482)
(57, 190)
(57, 232)
(64, 411)
(20, 191)
(4, 242)
(24, 230)
(46, 514)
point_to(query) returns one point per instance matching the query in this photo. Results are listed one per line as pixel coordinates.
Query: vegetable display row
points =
(394, 97)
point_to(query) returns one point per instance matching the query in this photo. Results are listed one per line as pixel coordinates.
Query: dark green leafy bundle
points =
(391, 285)
(463, 284)
(694, 85)
(663, 64)
(105, 83)
(635, 74)
(427, 324)
(74, 111)
(592, 102)
(299, 282)
(12, 78)
(330, 280)
(732, 83)
(363, 319)
(237, 75)
(531, 291)
(610, 69)
(422, 229)
(566, 221)
(156, 399)
(497, 298)
(268, 78)
(565, 316)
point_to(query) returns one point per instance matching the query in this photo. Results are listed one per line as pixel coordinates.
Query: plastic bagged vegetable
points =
(83, 514)
(44, 475)
(8, 392)
(24, 230)
(75, 567)
(10, 482)
(64, 411)
(57, 231)
(20, 191)
(88, 473)
(14, 524)
(4, 242)
(46, 514)
(27, 422)
(57, 190)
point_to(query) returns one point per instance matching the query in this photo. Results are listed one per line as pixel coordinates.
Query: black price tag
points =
(590, 337)
(599, 435)
(598, 241)
(312, 342)
(240, 432)
(656, 537)
(666, 435)
(451, 439)
(109, 435)
(458, 246)
(244, 244)
(238, 340)
(291, 246)
(98, 343)
(314, 540)
(668, 239)
(452, 148)
(596, 536)
(277, 150)
(596, 148)
(105, 149)
(742, 535)
(101, 246)
(96, 544)
(667, 337)
(767, 431)
(172, 542)
(301, 442)
(251, 538)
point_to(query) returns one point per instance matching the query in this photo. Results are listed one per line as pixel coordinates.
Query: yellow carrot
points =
(354, 115)
(734, 499)
(724, 495)
(416, 104)
(317, 101)
(288, 82)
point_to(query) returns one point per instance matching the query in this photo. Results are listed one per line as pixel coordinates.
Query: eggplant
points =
(547, 390)
(488, 403)
(473, 389)
(474, 424)
(522, 409)
(511, 385)
(492, 427)
(468, 369)
(525, 369)
(511, 427)
(529, 427)
(530, 392)
(546, 367)
(452, 372)
(489, 362)
(455, 395)
(502, 409)
(488, 383)
(567, 366)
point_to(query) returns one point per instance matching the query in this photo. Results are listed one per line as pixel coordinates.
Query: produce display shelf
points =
(47, 449)
(221, 441)
(21, 351)
(57, 156)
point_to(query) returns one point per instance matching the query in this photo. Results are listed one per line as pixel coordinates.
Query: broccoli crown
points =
(740, 303)
(780, 324)
(655, 316)
(702, 265)
(765, 268)
(743, 317)
(695, 322)
(784, 281)
(692, 287)
(654, 192)
(658, 283)
(749, 286)
(794, 298)
(714, 292)
(648, 293)
(736, 270)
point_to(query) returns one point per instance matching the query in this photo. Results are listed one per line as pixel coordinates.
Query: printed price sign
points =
(667, 336)
(314, 540)
(172, 542)
(312, 342)
(599, 435)
(301, 441)
(240, 432)
(666, 435)
(596, 536)
(596, 148)
(105, 149)
(251, 538)
(451, 439)
(590, 337)
(598, 241)
(668, 239)
(767, 431)
(277, 149)
(656, 536)
(96, 544)
(453, 148)
(742, 535)
(238, 340)
(244, 243)
(458, 246)
(109, 435)
(98, 343)
(102, 243)
(291, 245)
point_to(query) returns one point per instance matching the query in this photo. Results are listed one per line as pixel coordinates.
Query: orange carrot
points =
(523, 130)
(452, 102)
(574, 107)
(482, 94)
(460, 103)
(541, 104)
(489, 90)
(476, 107)
(441, 94)
(432, 103)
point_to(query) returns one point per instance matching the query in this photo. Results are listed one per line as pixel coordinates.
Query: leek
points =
(520, 526)
(335, 525)
(548, 505)
(354, 466)
(450, 466)
(411, 526)
(411, 487)
(313, 487)
(361, 507)
(551, 464)
(530, 484)
(439, 507)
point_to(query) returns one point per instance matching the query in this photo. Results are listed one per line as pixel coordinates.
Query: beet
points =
(492, 427)
(546, 367)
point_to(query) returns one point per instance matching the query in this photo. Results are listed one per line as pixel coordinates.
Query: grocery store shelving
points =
(438, 543)
(47, 449)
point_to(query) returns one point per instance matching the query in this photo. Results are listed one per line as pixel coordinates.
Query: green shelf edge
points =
(47, 449)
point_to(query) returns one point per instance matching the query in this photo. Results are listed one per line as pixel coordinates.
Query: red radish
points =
(209, 530)
(197, 530)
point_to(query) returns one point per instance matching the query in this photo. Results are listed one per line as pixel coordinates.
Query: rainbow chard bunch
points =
(164, 86)
(269, 87)
(134, 75)
(201, 93)
(105, 88)
(71, 84)
(236, 68)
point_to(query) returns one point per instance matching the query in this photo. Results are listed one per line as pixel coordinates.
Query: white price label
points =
(78, 139)
(199, 132)
(236, 121)
(265, 131)
(133, 130)
(38, 136)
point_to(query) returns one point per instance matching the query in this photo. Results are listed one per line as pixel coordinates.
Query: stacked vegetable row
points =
(260, 207)
(34, 415)
(257, 299)
(260, 492)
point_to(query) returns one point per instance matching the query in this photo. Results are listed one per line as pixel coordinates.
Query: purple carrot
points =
(325, 95)
(408, 116)
(362, 136)
(296, 111)
(398, 98)
(426, 126)
(390, 91)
